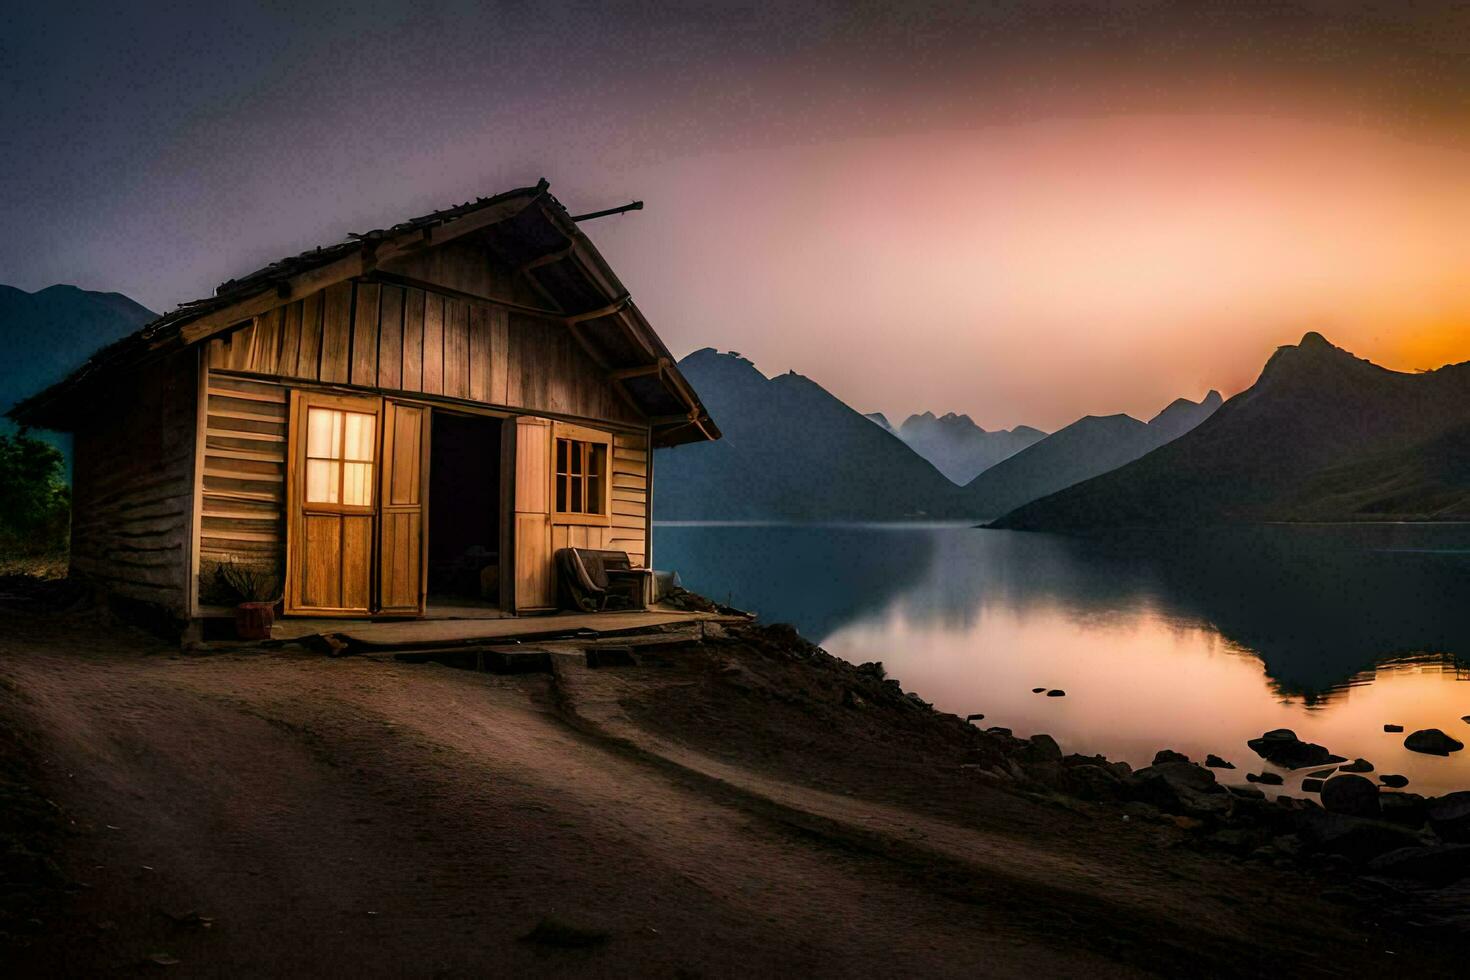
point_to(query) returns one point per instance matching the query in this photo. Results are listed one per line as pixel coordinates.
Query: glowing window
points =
(339, 457)
(581, 477)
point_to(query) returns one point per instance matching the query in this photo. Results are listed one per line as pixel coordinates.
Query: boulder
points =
(1281, 747)
(1357, 765)
(1393, 780)
(1041, 749)
(1268, 778)
(1404, 809)
(1439, 865)
(1057, 693)
(1310, 785)
(1352, 795)
(1356, 838)
(1322, 773)
(1037, 690)
(1087, 782)
(1178, 787)
(1246, 792)
(1169, 755)
(1449, 817)
(974, 717)
(1393, 728)
(1432, 741)
(1213, 761)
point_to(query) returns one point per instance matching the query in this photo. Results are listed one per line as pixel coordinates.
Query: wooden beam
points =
(640, 371)
(616, 306)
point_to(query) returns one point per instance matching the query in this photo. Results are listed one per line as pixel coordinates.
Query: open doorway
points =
(464, 515)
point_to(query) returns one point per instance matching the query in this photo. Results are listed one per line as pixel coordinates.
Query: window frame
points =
(358, 405)
(592, 437)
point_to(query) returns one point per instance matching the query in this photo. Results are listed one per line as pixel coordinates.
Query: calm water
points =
(1193, 642)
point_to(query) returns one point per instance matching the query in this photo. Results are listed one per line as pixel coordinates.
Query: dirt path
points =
(393, 819)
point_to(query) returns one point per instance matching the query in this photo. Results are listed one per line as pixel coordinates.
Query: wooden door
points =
(535, 577)
(331, 514)
(404, 496)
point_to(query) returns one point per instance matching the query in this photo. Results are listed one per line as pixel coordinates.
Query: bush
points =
(35, 503)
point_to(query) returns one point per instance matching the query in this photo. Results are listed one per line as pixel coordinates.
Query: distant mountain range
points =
(791, 451)
(959, 448)
(1321, 436)
(1086, 448)
(50, 332)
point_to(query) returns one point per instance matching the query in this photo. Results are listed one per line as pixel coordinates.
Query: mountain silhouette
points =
(49, 333)
(791, 451)
(1321, 436)
(959, 448)
(1090, 446)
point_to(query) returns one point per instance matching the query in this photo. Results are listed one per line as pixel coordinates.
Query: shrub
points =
(35, 503)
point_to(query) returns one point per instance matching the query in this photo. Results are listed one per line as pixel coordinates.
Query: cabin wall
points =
(133, 486)
(398, 339)
(243, 498)
(627, 530)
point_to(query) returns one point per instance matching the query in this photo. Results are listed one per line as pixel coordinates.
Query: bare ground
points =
(285, 814)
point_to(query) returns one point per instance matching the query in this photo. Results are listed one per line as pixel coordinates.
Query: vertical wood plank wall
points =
(244, 494)
(133, 486)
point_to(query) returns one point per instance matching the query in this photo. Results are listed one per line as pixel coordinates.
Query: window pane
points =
(357, 484)
(358, 443)
(597, 459)
(321, 425)
(576, 450)
(561, 494)
(576, 502)
(561, 455)
(594, 495)
(321, 481)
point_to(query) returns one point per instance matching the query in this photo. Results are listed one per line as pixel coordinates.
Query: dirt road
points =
(351, 816)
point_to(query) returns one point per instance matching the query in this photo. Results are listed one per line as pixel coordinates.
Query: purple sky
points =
(1026, 212)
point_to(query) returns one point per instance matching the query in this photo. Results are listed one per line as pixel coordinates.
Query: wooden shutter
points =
(404, 501)
(329, 543)
(535, 576)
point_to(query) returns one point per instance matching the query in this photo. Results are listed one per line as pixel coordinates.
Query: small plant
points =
(249, 581)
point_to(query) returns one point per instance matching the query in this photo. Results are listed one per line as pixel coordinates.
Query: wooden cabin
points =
(412, 420)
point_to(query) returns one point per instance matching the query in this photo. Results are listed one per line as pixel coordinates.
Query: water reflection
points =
(1196, 641)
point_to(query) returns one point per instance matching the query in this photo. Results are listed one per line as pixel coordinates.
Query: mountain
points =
(1321, 436)
(959, 448)
(1080, 451)
(49, 333)
(880, 420)
(791, 451)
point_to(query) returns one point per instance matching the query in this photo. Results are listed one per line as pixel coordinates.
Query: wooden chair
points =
(594, 580)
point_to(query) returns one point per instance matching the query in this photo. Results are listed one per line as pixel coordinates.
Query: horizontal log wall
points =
(133, 486)
(417, 341)
(244, 494)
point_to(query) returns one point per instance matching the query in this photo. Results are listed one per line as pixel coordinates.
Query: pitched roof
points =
(526, 226)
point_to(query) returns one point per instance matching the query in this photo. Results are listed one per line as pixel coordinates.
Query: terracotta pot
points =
(253, 620)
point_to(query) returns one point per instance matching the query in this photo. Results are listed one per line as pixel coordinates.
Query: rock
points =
(1310, 785)
(1465, 719)
(1356, 838)
(974, 717)
(1322, 773)
(1357, 765)
(1177, 787)
(1037, 690)
(1091, 782)
(1281, 747)
(873, 668)
(1169, 755)
(1213, 761)
(852, 699)
(1432, 741)
(1393, 780)
(1087, 760)
(997, 730)
(917, 701)
(1393, 728)
(1404, 809)
(1041, 748)
(1435, 865)
(1269, 778)
(1352, 795)
(1449, 817)
(1057, 693)
(1246, 792)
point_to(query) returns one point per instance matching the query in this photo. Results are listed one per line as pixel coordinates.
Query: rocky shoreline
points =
(1404, 853)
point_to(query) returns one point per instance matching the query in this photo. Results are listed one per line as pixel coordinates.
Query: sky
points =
(1026, 212)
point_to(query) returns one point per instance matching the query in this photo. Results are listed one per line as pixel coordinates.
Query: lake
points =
(1195, 642)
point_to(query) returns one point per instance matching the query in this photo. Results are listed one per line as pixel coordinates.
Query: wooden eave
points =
(241, 299)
